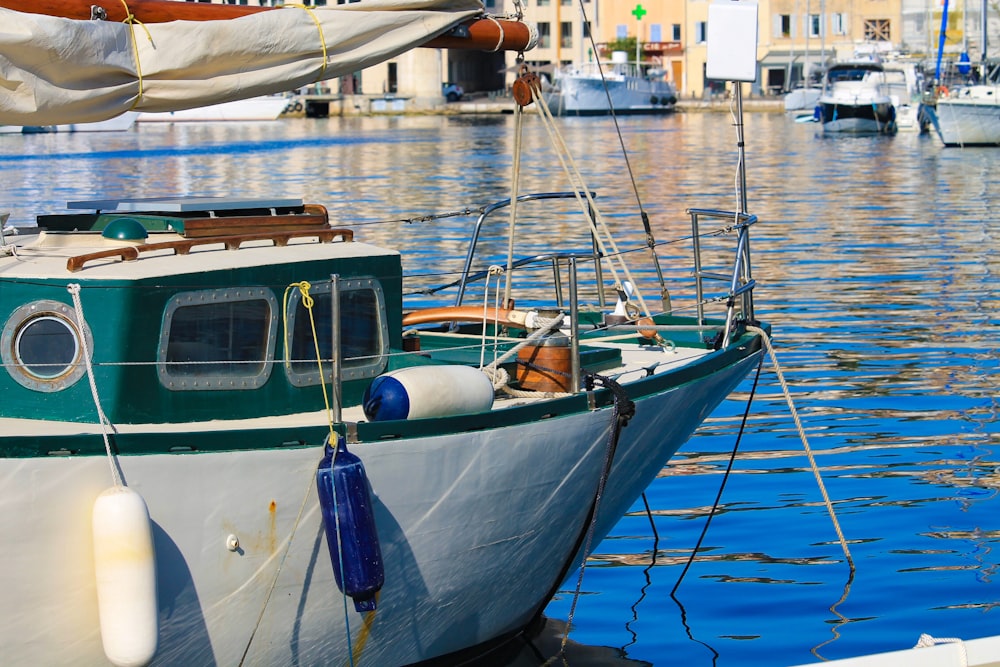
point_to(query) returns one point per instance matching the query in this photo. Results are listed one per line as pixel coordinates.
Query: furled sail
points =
(55, 70)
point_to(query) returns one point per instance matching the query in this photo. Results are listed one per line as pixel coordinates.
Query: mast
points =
(982, 41)
(941, 37)
(805, 58)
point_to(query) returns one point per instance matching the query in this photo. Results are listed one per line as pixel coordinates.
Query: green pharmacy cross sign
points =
(639, 12)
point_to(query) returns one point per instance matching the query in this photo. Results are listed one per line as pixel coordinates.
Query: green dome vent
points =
(125, 229)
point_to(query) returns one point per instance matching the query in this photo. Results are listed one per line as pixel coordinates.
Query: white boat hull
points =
(584, 94)
(120, 123)
(802, 99)
(930, 652)
(971, 117)
(241, 563)
(854, 126)
(253, 109)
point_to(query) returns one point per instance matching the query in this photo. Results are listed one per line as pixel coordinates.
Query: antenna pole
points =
(741, 147)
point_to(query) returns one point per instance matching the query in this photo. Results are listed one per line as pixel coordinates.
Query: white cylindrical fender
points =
(125, 568)
(428, 391)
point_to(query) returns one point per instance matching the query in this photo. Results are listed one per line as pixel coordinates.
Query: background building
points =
(796, 40)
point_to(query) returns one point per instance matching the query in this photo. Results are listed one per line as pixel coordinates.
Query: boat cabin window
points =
(364, 334)
(42, 349)
(218, 339)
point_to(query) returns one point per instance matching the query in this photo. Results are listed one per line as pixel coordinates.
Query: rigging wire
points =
(722, 485)
(650, 240)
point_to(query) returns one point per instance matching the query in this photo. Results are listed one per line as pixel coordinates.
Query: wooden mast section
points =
(475, 34)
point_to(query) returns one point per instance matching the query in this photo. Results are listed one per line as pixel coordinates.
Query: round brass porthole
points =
(41, 346)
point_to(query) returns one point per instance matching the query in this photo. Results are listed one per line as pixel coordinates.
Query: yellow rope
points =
(319, 27)
(365, 633)
(308, 302)
(132, 21)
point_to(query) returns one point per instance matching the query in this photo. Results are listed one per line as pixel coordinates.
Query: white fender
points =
(428, 391)
(125, 566)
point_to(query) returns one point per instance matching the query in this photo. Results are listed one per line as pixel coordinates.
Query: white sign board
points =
(732, 41)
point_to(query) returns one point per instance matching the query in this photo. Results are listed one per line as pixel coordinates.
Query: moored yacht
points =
(856, 98)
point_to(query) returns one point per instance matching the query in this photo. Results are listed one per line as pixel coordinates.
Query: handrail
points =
(130, 253)
(503, 203)
(741, 282)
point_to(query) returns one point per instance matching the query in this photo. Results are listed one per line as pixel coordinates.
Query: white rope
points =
(500, 30)
(494, 270)
(515, 177)
(926, 641)
(500, 377)
(598, 225)
(74, 291)
(805, 442)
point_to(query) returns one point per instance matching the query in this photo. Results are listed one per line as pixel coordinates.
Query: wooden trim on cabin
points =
(131, 253)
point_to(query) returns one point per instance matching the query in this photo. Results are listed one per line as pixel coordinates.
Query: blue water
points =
(878, 261)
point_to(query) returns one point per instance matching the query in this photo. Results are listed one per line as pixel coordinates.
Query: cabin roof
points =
(46, 256)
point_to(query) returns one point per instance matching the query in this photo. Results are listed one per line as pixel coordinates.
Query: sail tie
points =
(319, 28)
(132, 21)
(499, 29)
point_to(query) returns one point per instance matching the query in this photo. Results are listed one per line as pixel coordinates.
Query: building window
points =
(815, 25)
(700, 32)
(656, 32)
(877, 30)
(784, 25)
(677, 32)
(544, 36)
(544, 3)
(839, 23)
(621, 31)
(566, 35)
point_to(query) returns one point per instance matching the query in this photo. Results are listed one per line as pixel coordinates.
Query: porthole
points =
(41, 346)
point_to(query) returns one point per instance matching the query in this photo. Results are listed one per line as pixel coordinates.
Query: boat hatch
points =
(199, 217)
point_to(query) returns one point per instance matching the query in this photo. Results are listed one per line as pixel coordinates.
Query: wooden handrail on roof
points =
(314, 217)
(482, 34)
(130, 253)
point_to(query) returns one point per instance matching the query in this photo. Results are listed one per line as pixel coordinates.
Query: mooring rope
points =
(106, 425)
(622, 413)
(926, 641)
(805, 442)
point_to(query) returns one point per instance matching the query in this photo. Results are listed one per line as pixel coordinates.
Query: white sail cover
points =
(55, 70)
